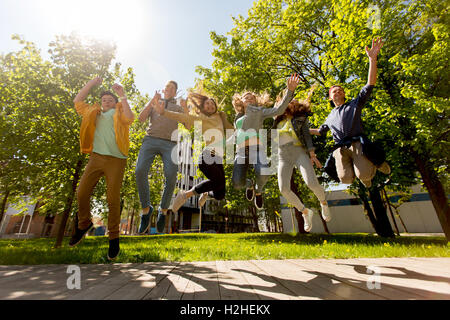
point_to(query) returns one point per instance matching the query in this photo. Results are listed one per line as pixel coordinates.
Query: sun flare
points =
(119, 21)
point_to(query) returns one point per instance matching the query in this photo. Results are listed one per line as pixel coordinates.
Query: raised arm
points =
(145, 113)
(292, 84)
(118, 89)
(186, 119)
(314, 131)
(82, 95)
(373, 54)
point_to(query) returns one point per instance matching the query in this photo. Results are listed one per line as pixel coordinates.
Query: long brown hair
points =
(301, 107)
(199, 102)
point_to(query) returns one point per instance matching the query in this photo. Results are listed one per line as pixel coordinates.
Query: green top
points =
(105, 137)
(244, 135)
(285, 128)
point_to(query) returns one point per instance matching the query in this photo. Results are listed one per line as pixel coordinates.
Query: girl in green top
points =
(250, 118)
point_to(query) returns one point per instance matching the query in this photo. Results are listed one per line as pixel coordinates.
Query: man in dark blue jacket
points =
(345, 124)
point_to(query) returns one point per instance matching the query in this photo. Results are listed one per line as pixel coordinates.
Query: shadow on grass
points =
(344, 239)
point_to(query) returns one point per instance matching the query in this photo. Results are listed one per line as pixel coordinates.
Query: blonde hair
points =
(262, 100)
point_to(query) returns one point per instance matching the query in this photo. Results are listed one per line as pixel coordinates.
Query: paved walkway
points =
(340, 279)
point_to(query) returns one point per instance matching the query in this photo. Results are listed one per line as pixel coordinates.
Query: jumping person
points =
(295, 148)
(160, 139)
(249, 120)
(214, 124)
(345, 124)
(104, 135)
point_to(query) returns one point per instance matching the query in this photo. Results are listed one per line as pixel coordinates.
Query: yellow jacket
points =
(89, 116)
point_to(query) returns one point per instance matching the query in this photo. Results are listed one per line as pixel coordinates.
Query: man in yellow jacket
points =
(104, 135)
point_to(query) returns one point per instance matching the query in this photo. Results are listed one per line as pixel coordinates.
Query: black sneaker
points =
(78, 235)
(145, 221)
(114, 249)
(250, 193)
(259, 201)
(160, 222)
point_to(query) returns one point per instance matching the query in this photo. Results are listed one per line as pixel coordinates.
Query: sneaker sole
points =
(112, 259)
(75, 244)
(309, 229)
(145, 231)
(149, 220)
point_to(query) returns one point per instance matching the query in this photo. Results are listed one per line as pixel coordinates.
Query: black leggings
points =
(212, 168)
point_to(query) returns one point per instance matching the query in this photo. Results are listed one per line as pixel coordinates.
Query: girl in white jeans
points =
(294, 142)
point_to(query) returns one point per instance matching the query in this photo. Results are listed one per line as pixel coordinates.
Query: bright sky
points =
(160, 39)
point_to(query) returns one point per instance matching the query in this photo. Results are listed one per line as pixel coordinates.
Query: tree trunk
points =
(324, 223)
(380, 213)
(388, 202)
(436, 191)
(127, 229)
(255, 218)
(378, 216)
(400, 218)
(68, 206)
(3, 208)
(130, 233)
(267, 223)
(365, 200)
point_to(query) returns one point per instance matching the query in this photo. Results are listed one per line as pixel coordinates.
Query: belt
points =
(346, 142)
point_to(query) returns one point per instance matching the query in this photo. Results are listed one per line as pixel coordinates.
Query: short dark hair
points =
(334, 86)
(109, 93)
(174, 83)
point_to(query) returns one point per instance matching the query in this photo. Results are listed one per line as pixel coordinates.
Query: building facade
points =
(417, 215)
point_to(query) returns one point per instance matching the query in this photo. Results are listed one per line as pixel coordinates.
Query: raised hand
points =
(183, 104)
(84, 92)
(376, 47)
(293, 82)
(159, 106)
(96, 81)
(118, 89)
(315, 161)
(155, 98)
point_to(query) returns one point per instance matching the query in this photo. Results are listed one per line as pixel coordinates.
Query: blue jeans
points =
(244, 158)
(151, 147)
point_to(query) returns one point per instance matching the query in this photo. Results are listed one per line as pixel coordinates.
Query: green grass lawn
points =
(204, 247)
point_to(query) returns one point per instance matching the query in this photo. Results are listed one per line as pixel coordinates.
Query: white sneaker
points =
(326, 214)
(180, 199)
(308, 219)
(202, 199)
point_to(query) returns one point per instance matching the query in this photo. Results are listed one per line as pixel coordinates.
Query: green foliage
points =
(40, 127)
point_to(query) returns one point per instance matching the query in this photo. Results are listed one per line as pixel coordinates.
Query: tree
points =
(43, 147)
